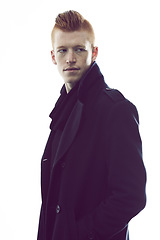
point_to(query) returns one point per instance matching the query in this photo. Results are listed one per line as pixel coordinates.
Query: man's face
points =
(73, 54)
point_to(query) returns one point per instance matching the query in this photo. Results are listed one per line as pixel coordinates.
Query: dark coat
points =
(97, 182)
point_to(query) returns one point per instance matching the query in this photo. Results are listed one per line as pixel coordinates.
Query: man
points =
(93, 177)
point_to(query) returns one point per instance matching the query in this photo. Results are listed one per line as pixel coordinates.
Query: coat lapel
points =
(70, 131)
(90, 83)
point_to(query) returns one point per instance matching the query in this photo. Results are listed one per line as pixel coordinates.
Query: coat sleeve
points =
(125, 193)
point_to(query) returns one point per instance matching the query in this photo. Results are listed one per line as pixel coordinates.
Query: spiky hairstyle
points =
(70, 21)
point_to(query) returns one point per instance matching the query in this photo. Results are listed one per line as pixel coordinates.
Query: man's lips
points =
(71, 69)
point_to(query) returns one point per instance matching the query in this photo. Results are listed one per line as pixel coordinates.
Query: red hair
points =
(70, 21)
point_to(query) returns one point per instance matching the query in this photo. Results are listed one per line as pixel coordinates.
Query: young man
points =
(93, 177)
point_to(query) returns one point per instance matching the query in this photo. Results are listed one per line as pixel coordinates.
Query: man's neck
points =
(69, 86)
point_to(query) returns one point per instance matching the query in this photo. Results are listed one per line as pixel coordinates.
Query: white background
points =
(128, 36)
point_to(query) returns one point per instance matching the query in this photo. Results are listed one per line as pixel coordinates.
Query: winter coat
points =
(96, 183)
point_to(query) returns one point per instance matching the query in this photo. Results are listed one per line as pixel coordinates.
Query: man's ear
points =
(53, 57)
(94, 53)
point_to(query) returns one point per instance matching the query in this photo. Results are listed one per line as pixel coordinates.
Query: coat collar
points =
(90, 82)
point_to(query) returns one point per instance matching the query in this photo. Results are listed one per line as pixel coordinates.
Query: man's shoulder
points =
(112, 99)
(109, 97)
(113, 95)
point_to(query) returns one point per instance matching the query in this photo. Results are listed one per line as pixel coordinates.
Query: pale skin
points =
(73, 54)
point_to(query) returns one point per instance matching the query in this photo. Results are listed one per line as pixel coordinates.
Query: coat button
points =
(63, 164)
(45, 159)
(58, 209)
(91, 236)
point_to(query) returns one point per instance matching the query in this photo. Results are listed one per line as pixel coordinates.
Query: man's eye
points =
(62, 50)
(79, 49)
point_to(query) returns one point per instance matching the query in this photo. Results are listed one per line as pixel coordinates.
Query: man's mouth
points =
(71, 69)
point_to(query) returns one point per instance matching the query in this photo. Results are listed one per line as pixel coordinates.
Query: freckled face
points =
(73, 54)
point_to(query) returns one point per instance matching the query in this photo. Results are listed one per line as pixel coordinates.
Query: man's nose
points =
(70, 58)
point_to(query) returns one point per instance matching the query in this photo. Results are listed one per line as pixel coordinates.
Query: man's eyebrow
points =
(82, 46)
(59, 47)
(76, 46)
